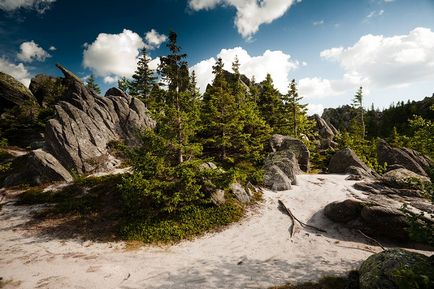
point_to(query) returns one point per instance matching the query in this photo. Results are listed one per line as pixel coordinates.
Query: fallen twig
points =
(291, 215)
(371, 239)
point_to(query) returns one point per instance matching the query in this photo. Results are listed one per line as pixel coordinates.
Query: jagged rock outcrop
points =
(13, 93)
(405, 157)
(295, 146)
(287, 158)
(397, 269)
(347, 162)
(86, 123)
(326, 132)
(35, 168)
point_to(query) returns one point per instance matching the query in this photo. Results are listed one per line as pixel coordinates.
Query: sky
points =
(330, 47)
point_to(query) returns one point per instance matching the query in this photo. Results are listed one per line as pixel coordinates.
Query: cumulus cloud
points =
(52, 48)
(388, 61)
(19, 71)
(277, 63)
(315, 109)
(113, 54)
(30, 51)
(39, 5)
(250, 13)
(154, 39)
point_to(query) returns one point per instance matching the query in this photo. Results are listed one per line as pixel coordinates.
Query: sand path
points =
(255, 253)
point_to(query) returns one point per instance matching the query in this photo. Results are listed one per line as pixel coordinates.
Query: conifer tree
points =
(91, 83)
(179, 120)
(143, 79)
(358, 105)
(269, 103)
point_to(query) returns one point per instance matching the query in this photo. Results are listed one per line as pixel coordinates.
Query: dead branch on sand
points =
(371, 239)
(291, 215)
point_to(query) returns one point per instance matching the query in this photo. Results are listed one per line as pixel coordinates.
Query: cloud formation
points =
(30, 51)
(277, 63)
(250, 13)
(376, 61)
(154, 39)
(39, 5)
(113, 54)
(116, 55)
(19, 71)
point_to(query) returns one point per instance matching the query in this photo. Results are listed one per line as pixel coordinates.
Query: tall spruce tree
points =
(124, 84)
(143, 78)
(269, 103)
(358, 105)
(91, 83)
(178, 122)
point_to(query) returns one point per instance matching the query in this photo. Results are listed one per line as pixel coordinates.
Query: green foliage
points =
(185, 225)
(269, 103)
(91, 84)
(143, 80)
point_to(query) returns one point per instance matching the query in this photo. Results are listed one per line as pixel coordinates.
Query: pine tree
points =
(143, 78)
(91, 83)
(179, 120)
(269, 103)
(358, 105)
(293, 114)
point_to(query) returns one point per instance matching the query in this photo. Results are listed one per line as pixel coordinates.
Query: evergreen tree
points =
(143, 78)
(91, 83)
(358, 105)
(179, 120)
(293, 114)
(234, 131)
(269, 103)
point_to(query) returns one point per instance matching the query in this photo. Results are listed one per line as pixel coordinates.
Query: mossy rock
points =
(397, 269)
(13, 93)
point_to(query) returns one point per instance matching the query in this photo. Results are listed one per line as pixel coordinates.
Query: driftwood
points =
(294, 218)
(372, 239)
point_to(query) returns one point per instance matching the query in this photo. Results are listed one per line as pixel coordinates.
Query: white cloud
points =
(52, 48)
(111, 79)
(318, 23)
(154, 39)
(39, 5)
(373, 14)
(277, 63)
(388, 61)
(250, 13)
(315, 109)
(19, 71)
(113, 54)
(30, 51)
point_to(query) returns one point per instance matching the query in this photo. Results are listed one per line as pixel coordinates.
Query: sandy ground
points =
(255, 253)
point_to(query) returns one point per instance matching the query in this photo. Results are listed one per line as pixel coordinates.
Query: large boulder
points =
(397, 269)
(297, 147)
(405, 179)
(13, 93)
(385, 222)
(35, 168)
(86, 123)
(346, 161)
(407, 158)
(240, 193)
(275, 179)
(343, 212)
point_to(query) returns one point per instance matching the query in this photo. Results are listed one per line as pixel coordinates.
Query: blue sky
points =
(330, 47)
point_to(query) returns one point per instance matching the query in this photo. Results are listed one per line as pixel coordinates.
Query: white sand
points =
(256, 253)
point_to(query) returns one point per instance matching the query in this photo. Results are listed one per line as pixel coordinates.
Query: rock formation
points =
(397, 269)
(86, 123)
(46, 89)
(326, 132)
(13, 93)
(347, 162)
(287, 158)
(35, 168)
(405, 157)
